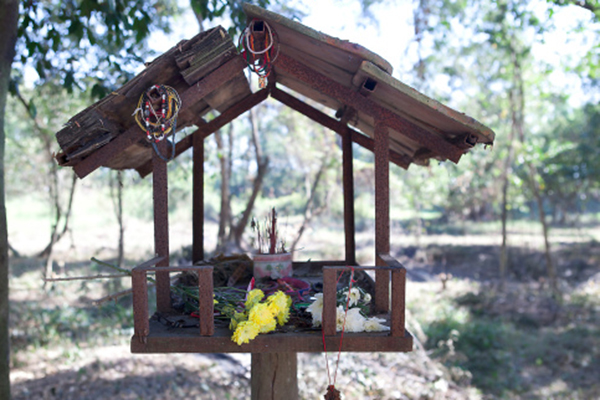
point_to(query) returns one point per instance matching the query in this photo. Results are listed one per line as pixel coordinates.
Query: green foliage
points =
(211, 9)
(85, 43)
(40, 325)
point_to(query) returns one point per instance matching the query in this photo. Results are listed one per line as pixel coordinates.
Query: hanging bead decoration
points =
(260, 54)
(156, 114)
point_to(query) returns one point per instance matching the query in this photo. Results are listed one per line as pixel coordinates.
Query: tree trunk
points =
(550, 269)
(9, 18)
(504, 207)
(117, 195)
(308, 212)
(53, 186)
(225, 213)
(57, 234)
(517, 106)
(262, 164)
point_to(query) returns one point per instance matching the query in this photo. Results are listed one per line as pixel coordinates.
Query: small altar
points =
(358, 100)
(199, 334)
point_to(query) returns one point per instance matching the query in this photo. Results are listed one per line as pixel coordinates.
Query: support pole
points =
(382, 215)
(198, 200)
(349, 221)
(274, 376)
(161, 226)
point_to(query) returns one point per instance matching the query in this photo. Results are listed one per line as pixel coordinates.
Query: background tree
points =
(8, 32)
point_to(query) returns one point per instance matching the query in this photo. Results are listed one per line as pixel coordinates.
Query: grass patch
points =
(508, 345)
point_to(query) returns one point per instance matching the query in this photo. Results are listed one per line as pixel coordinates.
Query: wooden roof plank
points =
(206, 86)
(419, 108)
(359, 102)
(337, 51)
(285, 98)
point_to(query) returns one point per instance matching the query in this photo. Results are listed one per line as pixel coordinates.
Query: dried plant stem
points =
(114, 296)
(81, 278)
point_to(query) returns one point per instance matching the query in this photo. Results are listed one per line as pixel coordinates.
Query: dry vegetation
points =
(472, 340)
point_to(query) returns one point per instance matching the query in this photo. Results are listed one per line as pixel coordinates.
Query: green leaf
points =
(69, 81)
(32, 108)
(99, 90)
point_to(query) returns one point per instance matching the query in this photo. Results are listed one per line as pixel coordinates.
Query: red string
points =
(337, 363)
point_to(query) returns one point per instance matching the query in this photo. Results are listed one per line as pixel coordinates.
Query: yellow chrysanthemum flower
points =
(261, 315)
(236, 319)
(280, 304)
(254, 296)
(283, 316)
(245, 332)
(268, 327)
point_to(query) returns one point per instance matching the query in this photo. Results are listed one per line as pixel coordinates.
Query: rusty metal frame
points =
(160, 191)
(401, 160)
(349, 215)
(382, 213)
(358, 101)
(397, 311)
(398, 319)
(198, 199)
(209, 340)
(141, 318)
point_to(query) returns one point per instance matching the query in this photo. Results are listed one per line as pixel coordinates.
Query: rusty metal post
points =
(205, 300)
(398, 301)
(382, 214)
(198, 199)
(329, 308)
(161, 226)
(141, 323)
(348, 173)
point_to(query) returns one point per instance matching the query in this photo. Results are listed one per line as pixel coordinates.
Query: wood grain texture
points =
(274, 376)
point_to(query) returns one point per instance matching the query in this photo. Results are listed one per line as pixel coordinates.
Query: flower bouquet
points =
(259, 316)
(351, 312)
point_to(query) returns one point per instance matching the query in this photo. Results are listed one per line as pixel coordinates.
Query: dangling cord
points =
(259, 61)
(172, 143)
(165, 120)
(333, 393)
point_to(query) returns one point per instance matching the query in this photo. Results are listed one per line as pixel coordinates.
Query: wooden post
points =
(274, 376)
(198, 199)
(161, 226)
(141, 324)
(205, 300)
(348, 172)
(398, 302)
(329, 309)
(382, 215)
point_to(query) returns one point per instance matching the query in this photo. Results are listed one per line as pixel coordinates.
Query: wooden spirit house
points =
(369, 108)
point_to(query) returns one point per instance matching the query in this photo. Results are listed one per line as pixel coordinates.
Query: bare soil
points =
(556, 342)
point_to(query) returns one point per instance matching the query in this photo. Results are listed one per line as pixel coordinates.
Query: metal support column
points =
(382, 215)
(198, 199)
(161, 226)
(349, 221)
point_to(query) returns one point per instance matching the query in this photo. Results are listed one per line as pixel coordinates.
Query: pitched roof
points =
(208, 73)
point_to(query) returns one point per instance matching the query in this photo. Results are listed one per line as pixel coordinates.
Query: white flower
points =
(374, 325)
(354, 296)
(355, 322)
(340, 316)
(316, 310)
(367, 298)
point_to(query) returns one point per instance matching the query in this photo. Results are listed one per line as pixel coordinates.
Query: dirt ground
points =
(437, 369)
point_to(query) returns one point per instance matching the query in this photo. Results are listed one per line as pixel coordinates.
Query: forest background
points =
(519, 221)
